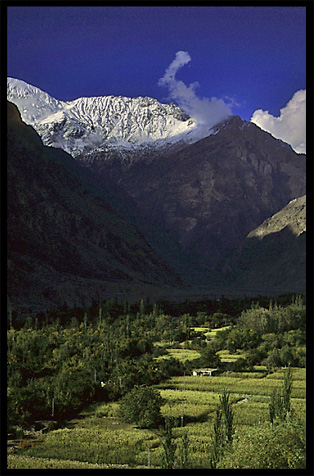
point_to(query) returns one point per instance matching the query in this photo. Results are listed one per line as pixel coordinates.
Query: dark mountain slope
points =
(212, 193)
(64, 242)
(272, 258)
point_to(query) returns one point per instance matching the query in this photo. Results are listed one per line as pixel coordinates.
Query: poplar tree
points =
(169, 446)
(280, 401)
(223, 428)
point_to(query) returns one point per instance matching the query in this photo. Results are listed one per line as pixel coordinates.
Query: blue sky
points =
(250, 57)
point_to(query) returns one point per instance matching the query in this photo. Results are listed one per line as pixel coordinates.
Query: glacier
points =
(103, 123)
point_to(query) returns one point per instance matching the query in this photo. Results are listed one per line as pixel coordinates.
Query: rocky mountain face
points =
(292, 216)
(212, 193)
(194, 193)
(65, 244)
(271, 258)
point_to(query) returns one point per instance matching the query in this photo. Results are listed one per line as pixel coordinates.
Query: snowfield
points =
(89, 123)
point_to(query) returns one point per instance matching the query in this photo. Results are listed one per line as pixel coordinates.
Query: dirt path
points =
(246, 397)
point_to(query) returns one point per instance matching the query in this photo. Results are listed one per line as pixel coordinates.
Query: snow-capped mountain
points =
(194, 194)
(91, 124)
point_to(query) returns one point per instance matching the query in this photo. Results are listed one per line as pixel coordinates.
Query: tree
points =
(273, 360)
(280, 405)
(238, 365)
(223, 429)
(287, 356)
(169, 446)
(184, 452)
(218, 440)
(142, 308)
(266, 447)
(209, 358)
(227, 416)
(141, 406)
(286, 390)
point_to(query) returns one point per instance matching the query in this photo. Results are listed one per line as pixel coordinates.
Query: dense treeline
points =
(273, 337)
(60, 361)
(231, 306)
(56, 368)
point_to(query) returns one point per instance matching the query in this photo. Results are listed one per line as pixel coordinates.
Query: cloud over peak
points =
(290, 126)
(205, 111)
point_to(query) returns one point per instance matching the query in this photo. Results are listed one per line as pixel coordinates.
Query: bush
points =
(209, 358)
(142, 407)
(262, 448)
(238, 365)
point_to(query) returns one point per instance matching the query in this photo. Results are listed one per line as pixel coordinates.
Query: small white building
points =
(204, 372)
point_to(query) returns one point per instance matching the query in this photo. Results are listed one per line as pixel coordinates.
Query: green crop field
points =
(213, 332)
(253, 386)
(226, 356)
(113, 388)
(99, 440)
(180, 354)
(30, 462)
(103, 443)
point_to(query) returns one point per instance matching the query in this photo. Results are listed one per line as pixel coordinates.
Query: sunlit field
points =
(99, 440)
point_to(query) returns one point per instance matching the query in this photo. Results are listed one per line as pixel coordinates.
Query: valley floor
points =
(97, 439)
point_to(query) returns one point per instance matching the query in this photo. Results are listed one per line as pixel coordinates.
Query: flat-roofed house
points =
(204, 372)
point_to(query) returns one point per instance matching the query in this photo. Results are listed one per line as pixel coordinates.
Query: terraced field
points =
(239, 385)
(99, 440)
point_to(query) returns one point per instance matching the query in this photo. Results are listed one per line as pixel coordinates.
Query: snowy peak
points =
(101, 123)
(34, 104)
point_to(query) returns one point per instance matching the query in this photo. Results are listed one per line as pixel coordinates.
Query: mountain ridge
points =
(271, 257)
(212, 193)
(293, 216)
(195, 201)
(104, 122)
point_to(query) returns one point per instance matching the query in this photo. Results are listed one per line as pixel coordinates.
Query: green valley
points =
(71, 371)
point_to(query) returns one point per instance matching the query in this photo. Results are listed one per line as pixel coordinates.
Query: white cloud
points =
(290, 126)
(205, 111)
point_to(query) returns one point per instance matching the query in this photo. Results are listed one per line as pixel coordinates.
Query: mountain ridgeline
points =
(212, 193)
(149, 202)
